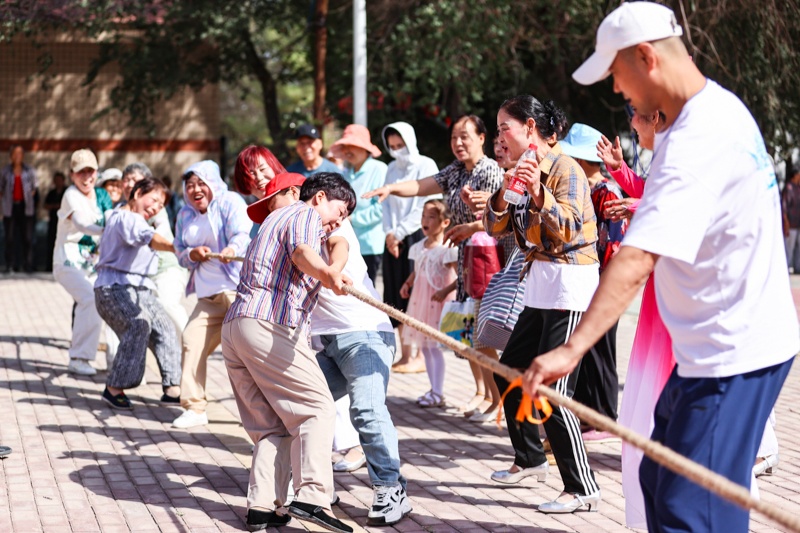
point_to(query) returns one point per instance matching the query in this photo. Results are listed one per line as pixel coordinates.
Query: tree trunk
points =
(452, 102)
(320, 51)
(269, 95)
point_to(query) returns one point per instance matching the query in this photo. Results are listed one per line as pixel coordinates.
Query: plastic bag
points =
(458, 320)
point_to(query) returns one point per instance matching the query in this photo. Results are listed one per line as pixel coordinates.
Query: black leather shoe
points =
(258, 520)
(316, 514)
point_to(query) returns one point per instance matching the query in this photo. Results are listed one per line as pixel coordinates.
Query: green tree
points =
(447, 57)
(429, 60)
(753, 48)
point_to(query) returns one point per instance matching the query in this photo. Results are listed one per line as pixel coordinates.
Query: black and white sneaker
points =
(389, 506)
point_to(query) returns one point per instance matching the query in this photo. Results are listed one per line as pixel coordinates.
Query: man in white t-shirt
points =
(710, 225)
(357, 346)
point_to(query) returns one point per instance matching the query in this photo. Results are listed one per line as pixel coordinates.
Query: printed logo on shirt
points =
(762, 160)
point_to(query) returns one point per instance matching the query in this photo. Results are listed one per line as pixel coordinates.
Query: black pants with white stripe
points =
(538, 331)
(140, 322)
(598, 382)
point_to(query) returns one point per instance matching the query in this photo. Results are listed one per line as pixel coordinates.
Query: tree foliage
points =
(452, 57)
(753, 48)
(429, 60)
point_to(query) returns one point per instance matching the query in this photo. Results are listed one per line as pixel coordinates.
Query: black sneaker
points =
(120, 401)
(316, 514)
(258, 520)
(5, 451)
(170, 400)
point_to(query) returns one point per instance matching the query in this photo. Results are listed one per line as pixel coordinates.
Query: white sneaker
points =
(389, 506)
(190, 419)
(81, 367)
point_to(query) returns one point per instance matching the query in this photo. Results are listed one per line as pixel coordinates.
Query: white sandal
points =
(431, 399)
(766, 466)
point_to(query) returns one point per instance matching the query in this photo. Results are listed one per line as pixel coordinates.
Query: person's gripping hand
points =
(200, 254)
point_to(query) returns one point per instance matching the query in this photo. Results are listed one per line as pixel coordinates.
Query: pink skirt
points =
(649, 367)
(424, 309)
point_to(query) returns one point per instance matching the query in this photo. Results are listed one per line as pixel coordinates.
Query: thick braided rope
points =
(659, 453)
(719, 485)
(219, 256)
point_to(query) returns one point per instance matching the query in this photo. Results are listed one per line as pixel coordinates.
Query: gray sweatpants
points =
(140, 321)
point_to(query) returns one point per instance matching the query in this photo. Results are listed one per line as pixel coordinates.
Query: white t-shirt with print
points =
(67, 251)
(334, 314)
(711, 211)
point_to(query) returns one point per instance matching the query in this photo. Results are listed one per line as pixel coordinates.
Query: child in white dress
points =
(433, 281)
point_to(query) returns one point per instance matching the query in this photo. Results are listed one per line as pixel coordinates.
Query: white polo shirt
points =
(711, 210)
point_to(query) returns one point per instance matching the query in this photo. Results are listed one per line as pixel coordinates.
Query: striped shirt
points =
(271, 287)
(564, 230)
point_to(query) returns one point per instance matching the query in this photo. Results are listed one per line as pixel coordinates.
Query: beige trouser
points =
(201, 336)
(286, 408)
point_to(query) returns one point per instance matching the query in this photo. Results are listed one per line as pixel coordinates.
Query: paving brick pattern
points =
(80, 466)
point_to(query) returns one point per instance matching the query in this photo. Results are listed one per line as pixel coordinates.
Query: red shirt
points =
(19, 195)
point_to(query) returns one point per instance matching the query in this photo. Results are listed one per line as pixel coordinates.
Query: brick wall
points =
(50, 114)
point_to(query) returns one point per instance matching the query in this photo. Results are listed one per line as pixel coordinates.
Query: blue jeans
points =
(718, 423)
(357, 364)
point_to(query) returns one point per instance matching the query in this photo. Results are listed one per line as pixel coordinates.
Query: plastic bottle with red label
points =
(516, 189)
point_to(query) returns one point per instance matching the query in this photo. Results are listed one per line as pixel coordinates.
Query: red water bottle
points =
(516, 189)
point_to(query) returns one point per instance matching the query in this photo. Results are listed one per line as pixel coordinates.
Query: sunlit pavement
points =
(78, 465)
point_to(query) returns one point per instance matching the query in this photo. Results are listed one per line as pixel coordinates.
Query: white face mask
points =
(402, 155)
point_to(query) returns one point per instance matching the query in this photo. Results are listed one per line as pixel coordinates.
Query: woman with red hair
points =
(255, 167)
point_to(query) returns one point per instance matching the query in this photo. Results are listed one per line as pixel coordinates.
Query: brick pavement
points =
(80, 466)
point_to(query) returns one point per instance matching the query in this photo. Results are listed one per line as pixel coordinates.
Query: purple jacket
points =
(227, 213)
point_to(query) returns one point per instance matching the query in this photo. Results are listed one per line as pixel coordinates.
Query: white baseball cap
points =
(630, 24)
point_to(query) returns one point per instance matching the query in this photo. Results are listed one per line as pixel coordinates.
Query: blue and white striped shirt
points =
(271, 287)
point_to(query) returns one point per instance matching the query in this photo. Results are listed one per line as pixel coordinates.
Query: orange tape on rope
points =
(525, 411)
